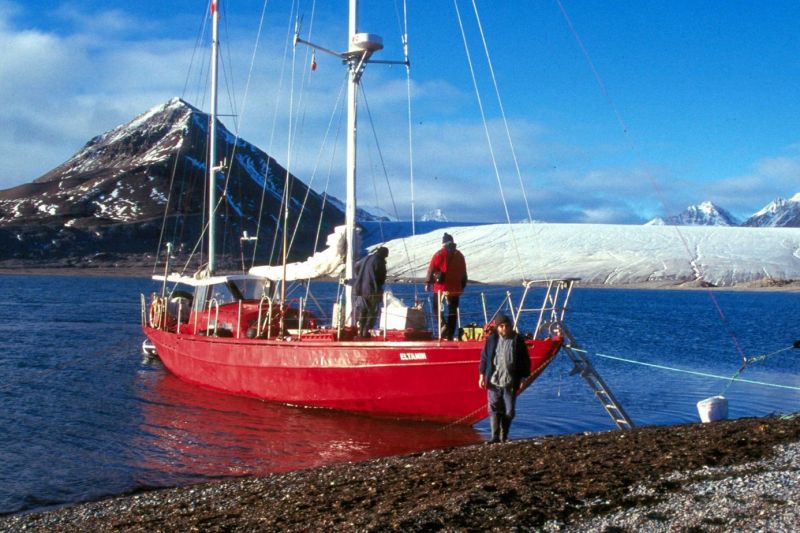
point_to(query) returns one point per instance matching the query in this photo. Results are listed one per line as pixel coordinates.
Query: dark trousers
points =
(367, 312)
(450, 324)
(502, 400)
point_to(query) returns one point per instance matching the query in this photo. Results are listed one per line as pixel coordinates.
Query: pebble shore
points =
(759, 496)
(740, 475)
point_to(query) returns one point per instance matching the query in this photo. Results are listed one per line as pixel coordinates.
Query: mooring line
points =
(461, 420)
(693, 372)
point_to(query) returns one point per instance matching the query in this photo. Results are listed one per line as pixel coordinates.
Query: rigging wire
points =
(197, 45)
(270, 143)
(227, 73)
(756, 359)
(302, 210)
(304, 79)
(402, 23)
(299, 121)
(338, 109)
(328, 177)
(502, 110)
(287, 183)
(626, 132)
(489, 140)
(228, 78)
(205, 74)
(200, 243)
(229, 83)
(245, 99)
(412, 258)
(385, 172)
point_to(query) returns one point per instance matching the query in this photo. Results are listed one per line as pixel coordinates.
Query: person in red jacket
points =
(447, 272)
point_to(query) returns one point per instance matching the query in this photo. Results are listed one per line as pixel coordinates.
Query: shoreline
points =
(655, 478)
(790, 286)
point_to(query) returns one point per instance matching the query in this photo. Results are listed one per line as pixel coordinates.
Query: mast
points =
(350, 197)
(212, 141)
(360, 47)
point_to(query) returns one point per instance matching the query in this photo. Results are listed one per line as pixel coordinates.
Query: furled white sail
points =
(328, 262)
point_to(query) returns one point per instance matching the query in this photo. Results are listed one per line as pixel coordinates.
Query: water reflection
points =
(191, 434)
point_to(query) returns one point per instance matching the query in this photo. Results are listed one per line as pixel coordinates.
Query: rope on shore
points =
(461, 420)
(696, 373)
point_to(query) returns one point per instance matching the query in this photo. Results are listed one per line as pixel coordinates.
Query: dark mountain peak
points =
(153, 168)
(147, 139)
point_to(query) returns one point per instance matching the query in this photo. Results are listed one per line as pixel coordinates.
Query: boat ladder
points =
(587, 371)
(551, 323)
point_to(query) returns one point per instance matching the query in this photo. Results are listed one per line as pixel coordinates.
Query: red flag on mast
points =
(313, 61)
(213, 6)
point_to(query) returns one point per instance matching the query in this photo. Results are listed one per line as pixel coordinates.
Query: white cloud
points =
(95, 70)
(113, 22)
(770, 177)
(64, 86)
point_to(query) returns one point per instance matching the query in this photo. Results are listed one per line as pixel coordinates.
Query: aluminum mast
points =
(352, 136)
(212, 141)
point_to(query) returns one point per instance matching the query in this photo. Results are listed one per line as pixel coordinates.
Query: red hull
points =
(429, 380)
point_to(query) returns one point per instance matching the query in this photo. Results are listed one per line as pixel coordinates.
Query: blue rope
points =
(695, 373)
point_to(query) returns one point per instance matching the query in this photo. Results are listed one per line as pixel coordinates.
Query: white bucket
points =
(713, 409)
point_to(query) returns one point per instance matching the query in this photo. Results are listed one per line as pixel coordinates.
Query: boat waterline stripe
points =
(693, 372)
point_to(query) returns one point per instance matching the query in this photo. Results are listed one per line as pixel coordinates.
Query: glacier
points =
(609, 254)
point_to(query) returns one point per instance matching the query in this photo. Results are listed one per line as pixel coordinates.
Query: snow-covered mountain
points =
(779, 213)
(112, 196)
(704, 214)
(611, 254)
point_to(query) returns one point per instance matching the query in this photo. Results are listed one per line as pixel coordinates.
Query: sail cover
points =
(325, 263)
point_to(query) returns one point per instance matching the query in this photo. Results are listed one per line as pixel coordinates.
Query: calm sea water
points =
(83, 417)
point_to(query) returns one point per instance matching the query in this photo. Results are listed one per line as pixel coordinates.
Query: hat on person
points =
(446, 238)
(502, 319)
(383, 251)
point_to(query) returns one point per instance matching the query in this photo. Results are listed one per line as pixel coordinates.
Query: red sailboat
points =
(236, 334)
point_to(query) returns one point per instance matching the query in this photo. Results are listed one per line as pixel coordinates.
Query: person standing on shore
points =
(505, 363)
(370, 276)
(447, 272)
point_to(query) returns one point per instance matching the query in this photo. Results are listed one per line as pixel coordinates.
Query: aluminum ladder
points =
(587, 371)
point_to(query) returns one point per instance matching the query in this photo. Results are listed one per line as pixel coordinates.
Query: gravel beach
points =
(739, 475)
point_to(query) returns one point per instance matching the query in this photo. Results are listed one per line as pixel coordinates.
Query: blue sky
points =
(682, 101)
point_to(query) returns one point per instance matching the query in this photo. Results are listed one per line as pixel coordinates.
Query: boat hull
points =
(428, 380)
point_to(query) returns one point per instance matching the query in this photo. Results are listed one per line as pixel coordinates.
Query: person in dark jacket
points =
(505, 364)
(447, 273)
(370, 276)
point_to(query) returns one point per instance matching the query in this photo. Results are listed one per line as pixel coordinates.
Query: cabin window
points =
(199, 301)
(222, 293)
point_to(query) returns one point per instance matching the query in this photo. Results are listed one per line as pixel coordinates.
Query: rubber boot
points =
(494, 422)
(505, 425)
